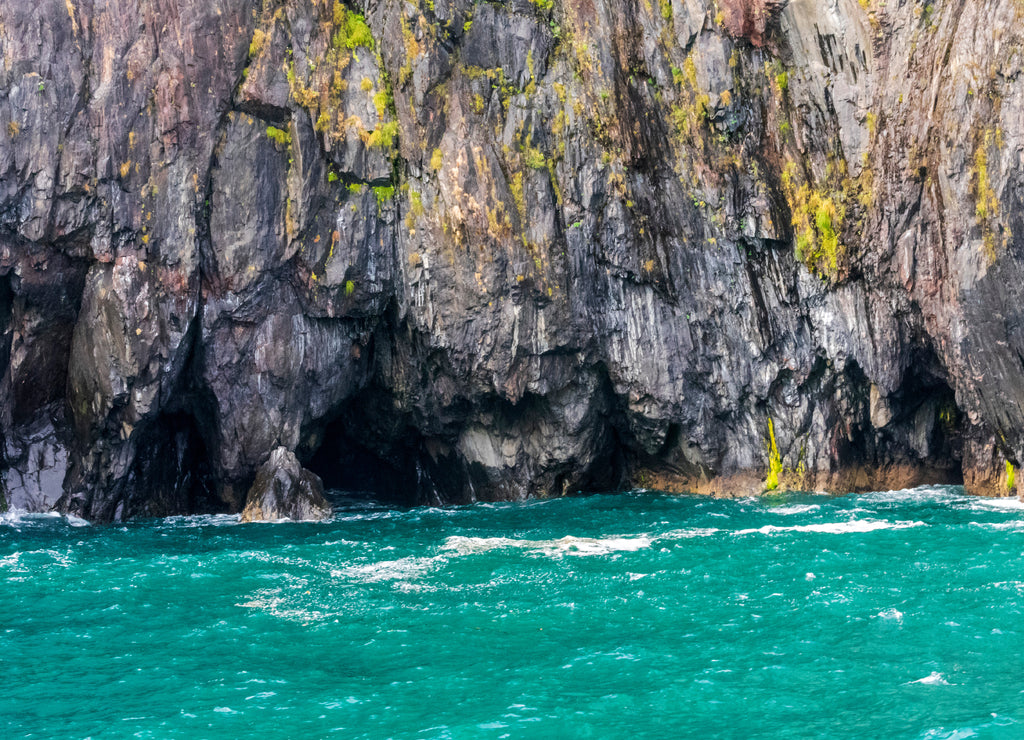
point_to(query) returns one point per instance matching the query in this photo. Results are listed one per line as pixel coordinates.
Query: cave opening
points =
(926, 423)
(367, 453)
(172, 470)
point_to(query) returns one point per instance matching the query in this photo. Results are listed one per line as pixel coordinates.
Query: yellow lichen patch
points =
(259, 38)
(986, 203)
(71, 14)
(817, 222)
(416, 203)
(412, 51)
(281, 137)
(382, 137)
(690, 112)
(774, 460)
(516, 186)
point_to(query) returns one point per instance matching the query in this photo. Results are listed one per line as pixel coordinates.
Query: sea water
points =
(634, 615)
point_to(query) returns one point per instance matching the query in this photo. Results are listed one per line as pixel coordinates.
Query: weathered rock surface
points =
(450, 251)
(283, 489)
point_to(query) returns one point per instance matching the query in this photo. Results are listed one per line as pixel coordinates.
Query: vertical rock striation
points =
(453, 251)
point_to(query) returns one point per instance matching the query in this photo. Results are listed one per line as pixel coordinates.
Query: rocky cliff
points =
(450, 251)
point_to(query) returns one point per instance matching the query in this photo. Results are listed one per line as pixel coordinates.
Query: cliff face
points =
(452, 251)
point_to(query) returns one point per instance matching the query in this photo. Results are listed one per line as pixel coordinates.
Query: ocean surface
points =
(636, 615)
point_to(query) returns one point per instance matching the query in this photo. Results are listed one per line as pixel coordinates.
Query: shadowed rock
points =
(285, 490)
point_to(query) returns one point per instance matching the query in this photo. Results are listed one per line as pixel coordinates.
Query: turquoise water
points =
(897, 615)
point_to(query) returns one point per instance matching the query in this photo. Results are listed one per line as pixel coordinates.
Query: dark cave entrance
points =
(925, 426)
(353, 470)
(368, 452)
(172, 470)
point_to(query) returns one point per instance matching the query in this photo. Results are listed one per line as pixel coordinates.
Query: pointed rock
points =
(283, 489)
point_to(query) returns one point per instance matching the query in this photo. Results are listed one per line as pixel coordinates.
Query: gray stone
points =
(283, 489)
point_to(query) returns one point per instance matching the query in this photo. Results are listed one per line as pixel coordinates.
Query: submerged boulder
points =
(285, 490)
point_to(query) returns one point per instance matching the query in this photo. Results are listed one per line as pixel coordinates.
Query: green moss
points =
(279, 136)
(515, 184)
(690, 72)
(383, 136)
(824, 211)
(687, 117)
(355, 188)
(382, 102)
(416, 202)
(666, 9)
(350, 287)
(436, 160)
(774, 460)
(534, 158)
(259, 38)
(986, 204)
(985, 198)
(817, 219)
(384, 193)
(1011, 476)
(351, 31)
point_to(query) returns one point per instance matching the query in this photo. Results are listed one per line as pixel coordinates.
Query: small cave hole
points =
(362, 462)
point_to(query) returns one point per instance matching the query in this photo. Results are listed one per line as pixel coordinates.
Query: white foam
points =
(892, 615)
(685, 534)
(272, 603)
(921, 494)
(1003, 504)
(1004, 526)
(403, 569)
(933, 679)
(853, 526)
(202, 520)
(15, 562)
(581, 546)
(794, 509)
(14, 517)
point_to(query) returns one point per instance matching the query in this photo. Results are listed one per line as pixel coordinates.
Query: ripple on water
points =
(569, 545)
(635, 616)
(848, 527)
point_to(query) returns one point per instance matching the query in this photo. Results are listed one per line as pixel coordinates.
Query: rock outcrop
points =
(449, 251)
(283, 489)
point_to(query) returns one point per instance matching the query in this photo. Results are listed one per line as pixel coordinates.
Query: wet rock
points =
(35, 480)
(449, 252)
(283, 489)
